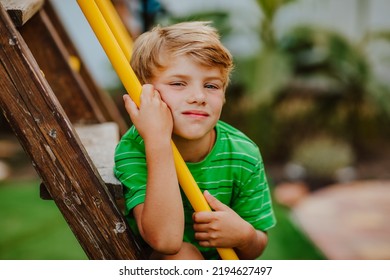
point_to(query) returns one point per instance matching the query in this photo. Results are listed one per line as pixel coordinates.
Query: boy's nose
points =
(197, 95)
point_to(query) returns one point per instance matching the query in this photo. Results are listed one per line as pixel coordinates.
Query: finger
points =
(201, 227)
(148, 88)
(205, 243)
(156, 94)
(206, 240)
(214, 203)
(201, 236)
(147, 91)
(130, 106)
(202, 217)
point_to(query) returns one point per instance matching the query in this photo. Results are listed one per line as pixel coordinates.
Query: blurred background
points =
(311, 87)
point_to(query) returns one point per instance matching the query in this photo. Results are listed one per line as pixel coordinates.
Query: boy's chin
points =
(189, 136)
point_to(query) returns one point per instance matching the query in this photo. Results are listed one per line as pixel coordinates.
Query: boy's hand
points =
(153, 119)
(222, 227)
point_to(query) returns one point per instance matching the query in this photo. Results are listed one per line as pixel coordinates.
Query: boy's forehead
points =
(181, 64)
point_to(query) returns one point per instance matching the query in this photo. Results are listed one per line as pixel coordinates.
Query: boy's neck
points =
(195, 150)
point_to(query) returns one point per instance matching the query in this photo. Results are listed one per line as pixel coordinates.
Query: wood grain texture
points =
(21, 10)
(47, 135)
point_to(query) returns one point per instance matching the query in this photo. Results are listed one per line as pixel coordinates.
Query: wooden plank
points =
(22, 10)
(105, 102)
(100, 141)
(34, 113)
(52, 57)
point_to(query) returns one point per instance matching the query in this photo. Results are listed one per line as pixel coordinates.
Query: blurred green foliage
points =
(322, 156)
(312, 81)
(305, 82)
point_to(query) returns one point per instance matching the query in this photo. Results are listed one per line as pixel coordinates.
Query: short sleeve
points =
(130, 169)
(252, 199)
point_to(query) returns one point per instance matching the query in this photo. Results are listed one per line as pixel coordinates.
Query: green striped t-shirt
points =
(233, 172)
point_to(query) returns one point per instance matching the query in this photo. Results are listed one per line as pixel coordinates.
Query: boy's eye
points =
(177, 84)
(211, 86)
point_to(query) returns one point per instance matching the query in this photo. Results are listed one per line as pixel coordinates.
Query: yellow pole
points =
(111, 48)
(116, 25)
(134, 88)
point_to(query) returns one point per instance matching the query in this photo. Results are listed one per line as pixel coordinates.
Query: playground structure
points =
(72, 145)
(44, 100)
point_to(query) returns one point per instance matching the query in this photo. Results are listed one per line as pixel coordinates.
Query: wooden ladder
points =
(67, 126)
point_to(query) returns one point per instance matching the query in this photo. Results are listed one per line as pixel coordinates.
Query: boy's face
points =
(195, 95)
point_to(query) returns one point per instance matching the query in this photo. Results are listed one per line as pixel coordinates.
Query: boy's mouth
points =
(195, 113)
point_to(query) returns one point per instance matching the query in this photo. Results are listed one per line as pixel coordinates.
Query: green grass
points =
(287, 242)
(34, 229)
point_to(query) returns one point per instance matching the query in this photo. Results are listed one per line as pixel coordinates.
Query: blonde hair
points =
(197, 39)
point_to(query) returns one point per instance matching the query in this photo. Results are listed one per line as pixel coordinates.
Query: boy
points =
(185, 71)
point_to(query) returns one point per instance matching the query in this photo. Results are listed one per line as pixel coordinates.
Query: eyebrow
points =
(181, 76)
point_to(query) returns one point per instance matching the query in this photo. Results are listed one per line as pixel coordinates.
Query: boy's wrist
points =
(248, 236)
(157, 142)
(252, 244)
